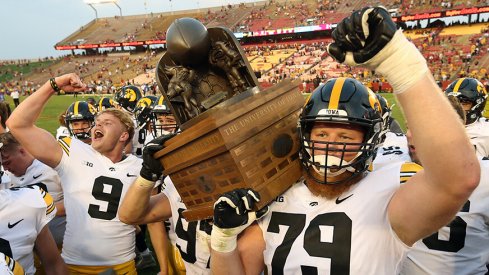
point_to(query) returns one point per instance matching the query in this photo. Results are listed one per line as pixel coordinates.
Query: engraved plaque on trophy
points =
(234, 135)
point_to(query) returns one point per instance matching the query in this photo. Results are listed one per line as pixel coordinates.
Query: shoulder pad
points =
(65, 144)
(13, 267)
(34, 196)
(408, 169)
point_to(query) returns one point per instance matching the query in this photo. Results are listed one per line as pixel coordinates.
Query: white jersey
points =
(478, 133)
(39, 172)
(62, 132)
(24, 212)
(307, 234)
(9, 266)
(93, 188)
(191, 238)
(462, 246)
(149, 137)
(393, 149)
(138, 140)
(5, 179)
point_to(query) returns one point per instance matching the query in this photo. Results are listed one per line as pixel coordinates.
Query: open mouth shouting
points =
(98, 134)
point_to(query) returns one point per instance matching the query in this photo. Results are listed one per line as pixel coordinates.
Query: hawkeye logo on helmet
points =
(332, 112)
(130, 94)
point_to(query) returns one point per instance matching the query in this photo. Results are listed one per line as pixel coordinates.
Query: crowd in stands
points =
(417, 6)
(449, 56)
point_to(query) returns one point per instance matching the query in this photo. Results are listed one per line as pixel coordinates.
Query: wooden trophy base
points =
(248, 141)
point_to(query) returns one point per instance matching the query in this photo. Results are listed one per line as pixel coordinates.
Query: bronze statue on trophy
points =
(180, 85)
(228, 60)
(234, 135)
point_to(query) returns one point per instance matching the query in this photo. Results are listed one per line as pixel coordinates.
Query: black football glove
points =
(152, 169)
(232, 214)
(363, 34)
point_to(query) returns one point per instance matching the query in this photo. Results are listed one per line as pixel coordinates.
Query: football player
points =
(473, 96)
(340, 218)
(127, 98)
(163, 120)
(24, 215)
(94, 179)
(143, 113)
(460, 246)
(393, 146)
(62, 130)
(105, 103)
(9, 266)
(23, 170)
(143, 134)
(190, 238)
(390, 123)
(80, 117)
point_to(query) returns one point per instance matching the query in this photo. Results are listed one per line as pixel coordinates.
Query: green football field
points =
(55, 106)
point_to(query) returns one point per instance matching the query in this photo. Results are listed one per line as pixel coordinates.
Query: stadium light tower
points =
(91, 3)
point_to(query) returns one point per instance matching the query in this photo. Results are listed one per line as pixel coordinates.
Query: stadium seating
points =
(306, 59)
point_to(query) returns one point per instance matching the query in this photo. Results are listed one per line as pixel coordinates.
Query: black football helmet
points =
(386, 113)
(80, 110)
(127, 97)
(469, 90)
(105, 103)
(162, 108)
(342, 101)
(143, 110)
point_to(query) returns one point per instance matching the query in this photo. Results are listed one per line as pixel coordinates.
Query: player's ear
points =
(124, 137)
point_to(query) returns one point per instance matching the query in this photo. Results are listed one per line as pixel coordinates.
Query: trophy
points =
(234, 134)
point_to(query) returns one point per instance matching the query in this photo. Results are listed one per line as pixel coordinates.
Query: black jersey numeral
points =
(5, 248)
(456, 241)
(112, 198)
(338, 250)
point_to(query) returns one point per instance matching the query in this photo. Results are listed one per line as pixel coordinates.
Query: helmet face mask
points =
(80, 118)
(469, 90)
(163, 120)
(340, 103)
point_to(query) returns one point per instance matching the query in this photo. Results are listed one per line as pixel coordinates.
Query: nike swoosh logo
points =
(35, 177)
(131, 175)
(338, 200)
(14, 224)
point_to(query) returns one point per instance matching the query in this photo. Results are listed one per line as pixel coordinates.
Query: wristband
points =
(144, 183)
(223, 240)
(400, 62)
(55, 87)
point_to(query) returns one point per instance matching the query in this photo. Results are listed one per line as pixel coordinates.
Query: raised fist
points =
(362, 35)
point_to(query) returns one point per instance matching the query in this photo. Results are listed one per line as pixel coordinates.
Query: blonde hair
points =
(124, 118)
